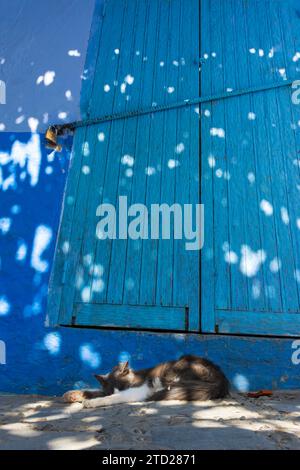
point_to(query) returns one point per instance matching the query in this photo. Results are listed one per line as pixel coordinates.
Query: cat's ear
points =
(101, 378)
(124, 367)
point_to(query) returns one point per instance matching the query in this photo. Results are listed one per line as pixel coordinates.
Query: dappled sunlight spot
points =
(129, 173)
(2, 127)
(21, 252)
(87, 260)
(271, 53)
(20, 119)
(33, 124)
(26, 156)
(231, 257)
(211, 161)
(173, 163)
(217, 132)
(296, 162)
(129, 79)
(51, 156)
(297, 275)
(127, 160)
(170, 89)
(79, 278)
(62, 115)
(241, 383)
(282, 73)
(68, 95)
(89, 356)
(117, 51)
(207, 113)
(251, 261)
(98, 285)
(5, 224)
(42, 239)
(266, 207)
(150, 170)
(123, 88)
(219, 173)
(284, 215)
(65, 247)
(256, 289)
(101, 136)
(106, 88)
(4, 306)
(86, 149)
(179, 148)
(97, 270)
(86, 170)
(298, 223)
(251, 116)
(47, 78)
(74, 53)
(296, 57)
(251, 177)
(275, 265)
(15, 209)
(48, 170)
(52, 343)
(86, 294)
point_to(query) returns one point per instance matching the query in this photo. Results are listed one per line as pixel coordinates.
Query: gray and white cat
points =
(189, 378)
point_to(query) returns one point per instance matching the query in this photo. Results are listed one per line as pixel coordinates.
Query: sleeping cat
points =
(189, 378)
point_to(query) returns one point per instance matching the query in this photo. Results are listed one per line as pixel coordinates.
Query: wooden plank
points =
(125, 316)
(258, 323)
(207, 179)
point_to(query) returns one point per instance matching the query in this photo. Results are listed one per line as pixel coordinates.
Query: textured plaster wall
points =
(35, 42)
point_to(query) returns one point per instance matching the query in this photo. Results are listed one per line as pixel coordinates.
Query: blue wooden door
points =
(142, 53)
(250, 167)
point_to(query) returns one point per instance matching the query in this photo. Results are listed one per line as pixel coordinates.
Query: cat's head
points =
(119, 378)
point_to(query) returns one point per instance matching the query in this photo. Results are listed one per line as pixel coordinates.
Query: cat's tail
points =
(193, 391)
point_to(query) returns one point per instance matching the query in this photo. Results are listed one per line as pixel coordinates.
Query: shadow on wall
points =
(42, 54)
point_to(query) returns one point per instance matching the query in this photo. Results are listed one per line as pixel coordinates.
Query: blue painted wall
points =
(33, 357)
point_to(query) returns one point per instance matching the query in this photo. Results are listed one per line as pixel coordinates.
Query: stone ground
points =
(37, 422)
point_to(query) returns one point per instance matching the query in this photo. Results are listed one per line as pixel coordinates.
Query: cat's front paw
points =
(73, 396)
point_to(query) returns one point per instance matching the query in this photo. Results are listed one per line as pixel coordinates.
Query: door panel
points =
(250, 169)
(147, 55)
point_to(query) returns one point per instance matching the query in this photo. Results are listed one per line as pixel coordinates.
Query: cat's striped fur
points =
(189, 378)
